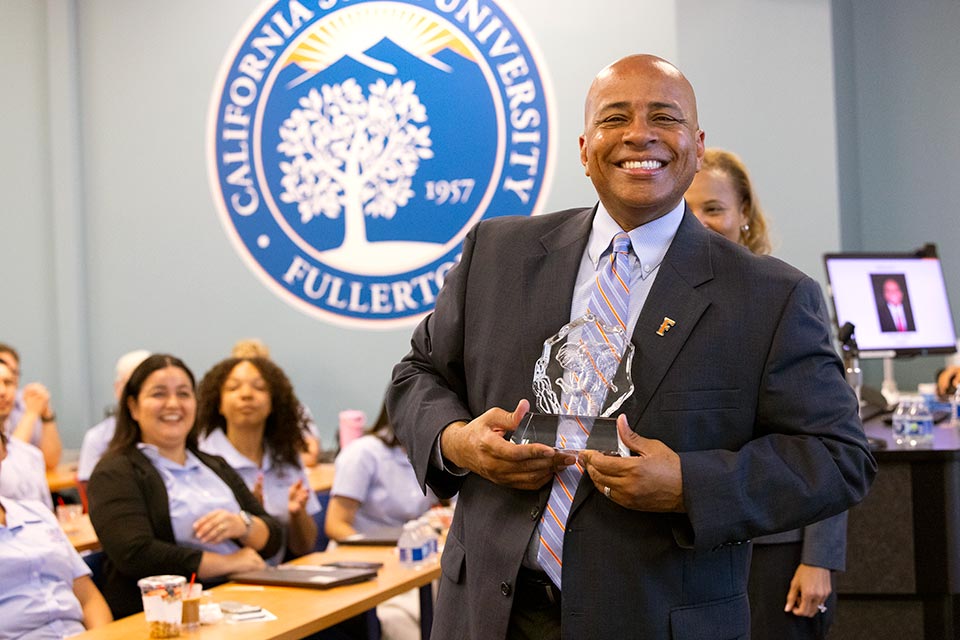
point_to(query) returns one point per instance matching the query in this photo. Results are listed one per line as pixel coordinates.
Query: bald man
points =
(740, 423)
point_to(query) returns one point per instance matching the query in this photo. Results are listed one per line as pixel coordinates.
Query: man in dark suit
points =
(894, 307)
(740, 423)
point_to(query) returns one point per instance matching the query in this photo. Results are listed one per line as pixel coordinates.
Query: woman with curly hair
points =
(249, 415)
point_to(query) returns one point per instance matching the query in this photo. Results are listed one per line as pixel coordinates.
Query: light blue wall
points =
(122, 247)
(899, 138)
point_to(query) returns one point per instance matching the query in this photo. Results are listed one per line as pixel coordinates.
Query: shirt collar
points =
(650, 241)
(18, 514)
(218, 443)
(153, 454)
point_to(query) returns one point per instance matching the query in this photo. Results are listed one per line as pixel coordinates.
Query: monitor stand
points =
(889, 386)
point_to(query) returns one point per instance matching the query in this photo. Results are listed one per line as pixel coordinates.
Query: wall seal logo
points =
(352, 145)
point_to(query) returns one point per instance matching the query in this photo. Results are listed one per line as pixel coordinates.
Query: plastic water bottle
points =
(922, 418)
(430, 538)
(410, 546)
(955, 408)
(913, 424)
(900, 420)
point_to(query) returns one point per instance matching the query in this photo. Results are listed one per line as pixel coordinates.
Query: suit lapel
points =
(674, 296)
(547, 282)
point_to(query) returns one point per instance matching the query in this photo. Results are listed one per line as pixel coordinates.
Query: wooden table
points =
(300, 612)
(321, 476)
(63, 477)
(84, 538)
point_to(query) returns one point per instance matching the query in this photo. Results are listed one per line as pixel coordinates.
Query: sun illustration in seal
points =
(351, 32)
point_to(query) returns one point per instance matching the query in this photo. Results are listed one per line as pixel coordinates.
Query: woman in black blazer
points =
(161, 506)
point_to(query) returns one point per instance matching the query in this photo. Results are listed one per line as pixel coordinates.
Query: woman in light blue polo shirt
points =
(45, 587)
(249, 415)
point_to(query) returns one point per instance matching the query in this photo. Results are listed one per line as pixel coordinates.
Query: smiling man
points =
(740, 422)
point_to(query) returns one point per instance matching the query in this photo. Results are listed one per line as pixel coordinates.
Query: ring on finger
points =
(822, 608)
(606, 491)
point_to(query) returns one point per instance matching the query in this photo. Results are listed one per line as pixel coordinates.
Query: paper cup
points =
(190, 618)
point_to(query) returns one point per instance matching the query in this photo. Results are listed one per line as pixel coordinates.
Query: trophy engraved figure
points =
(580, 379)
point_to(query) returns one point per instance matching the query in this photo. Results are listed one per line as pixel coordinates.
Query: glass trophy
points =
(580, 379)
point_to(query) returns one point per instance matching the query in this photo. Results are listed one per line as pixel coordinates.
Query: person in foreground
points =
(45, 586)
(791, 584)
(161, 506)
(740, 423)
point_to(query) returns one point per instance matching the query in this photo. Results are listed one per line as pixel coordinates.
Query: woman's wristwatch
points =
(247, 522)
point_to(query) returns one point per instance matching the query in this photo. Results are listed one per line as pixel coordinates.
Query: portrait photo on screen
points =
(897, 302)
(893, 302)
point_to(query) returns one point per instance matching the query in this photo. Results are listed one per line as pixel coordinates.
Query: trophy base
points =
(543, 428)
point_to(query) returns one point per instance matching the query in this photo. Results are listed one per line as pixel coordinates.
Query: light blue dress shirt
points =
(276, 480)
(650, 243)
(23, 474)
(193, 490)
(39, 566)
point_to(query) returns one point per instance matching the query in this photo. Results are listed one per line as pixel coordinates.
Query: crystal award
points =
(580, 379)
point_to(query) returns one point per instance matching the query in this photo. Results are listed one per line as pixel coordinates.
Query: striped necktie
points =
(610, 302)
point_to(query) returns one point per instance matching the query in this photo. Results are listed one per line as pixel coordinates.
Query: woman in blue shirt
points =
(45, 587)
(249, 415)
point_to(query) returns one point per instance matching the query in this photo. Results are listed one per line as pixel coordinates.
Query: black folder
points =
(308, 576)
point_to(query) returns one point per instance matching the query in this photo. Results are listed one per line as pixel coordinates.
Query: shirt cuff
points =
(436, 457)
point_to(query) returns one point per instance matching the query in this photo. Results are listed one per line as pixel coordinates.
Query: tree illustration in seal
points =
(353, 154)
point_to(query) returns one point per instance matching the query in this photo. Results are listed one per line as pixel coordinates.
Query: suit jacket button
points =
(505, 588)
(534, 513)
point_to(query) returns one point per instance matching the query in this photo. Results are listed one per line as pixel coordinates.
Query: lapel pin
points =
(665, 325)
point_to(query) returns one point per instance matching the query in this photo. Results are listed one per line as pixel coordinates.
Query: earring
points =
(745, 228)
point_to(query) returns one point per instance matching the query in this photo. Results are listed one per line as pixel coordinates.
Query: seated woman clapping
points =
(249, 415)
(161, 506)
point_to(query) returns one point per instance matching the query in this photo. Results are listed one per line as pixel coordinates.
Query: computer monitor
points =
(897, 302)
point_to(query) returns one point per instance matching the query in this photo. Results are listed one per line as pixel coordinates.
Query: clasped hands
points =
(649, 480)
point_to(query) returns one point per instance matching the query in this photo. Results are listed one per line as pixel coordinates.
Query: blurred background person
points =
(723, 199)
(255, 348)
(98, 437)
(249, 415)
(375, 487)
(947, 380)
(159, 505)
(791, 572)
(45, 586)
(24, 474)
(33, 419)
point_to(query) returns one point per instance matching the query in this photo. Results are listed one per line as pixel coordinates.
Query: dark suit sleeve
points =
(825, 543)
(127, 513)
(429, 383)
(808, 459)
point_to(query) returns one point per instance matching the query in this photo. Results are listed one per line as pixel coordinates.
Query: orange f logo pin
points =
(665, 325)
